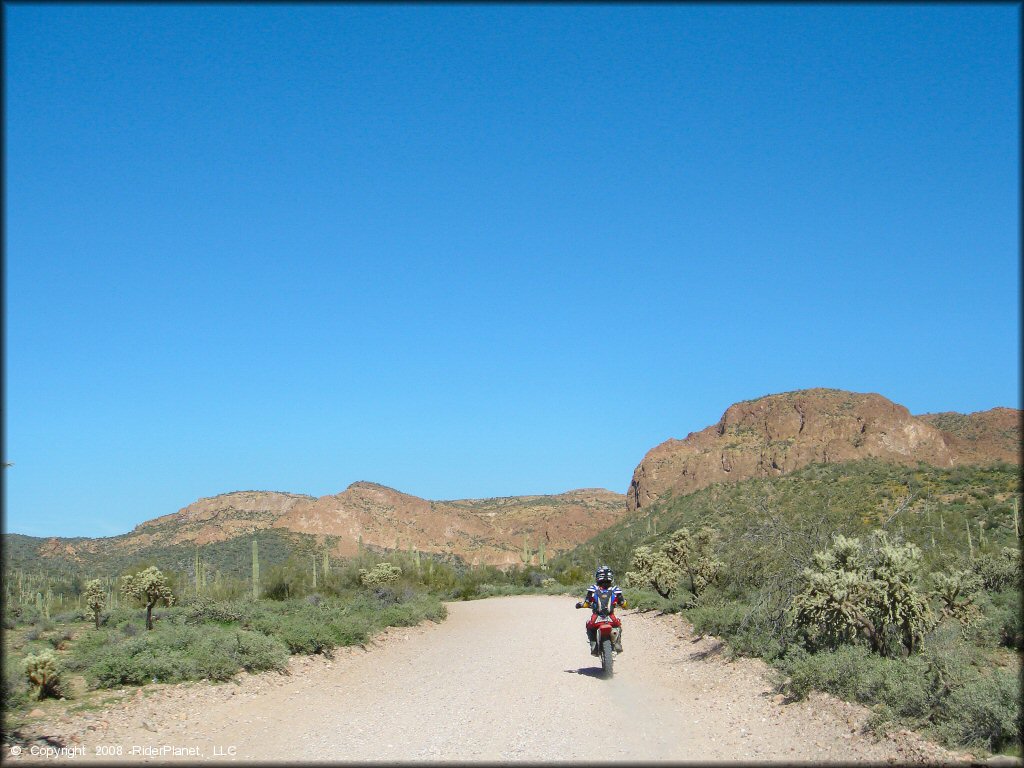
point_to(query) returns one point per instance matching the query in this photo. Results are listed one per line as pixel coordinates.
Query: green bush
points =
(204, 610)
(855, 674)
(721, 620)
(984, 712)
(174, 654)
(648, 600)
(950, 659)
(1006, 614)
(304, 637)
(747, 628)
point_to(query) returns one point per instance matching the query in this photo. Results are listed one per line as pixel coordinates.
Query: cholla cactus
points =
(956, 591)
(1000, 571)
(899, 604)
(43, 675)
(651, 569)
(684, 554)
(850, 594)
(693, 555)
(151, 587)
(380, 575)
(95, 599)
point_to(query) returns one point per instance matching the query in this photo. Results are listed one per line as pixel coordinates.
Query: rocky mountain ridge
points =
(480, 531)
(771, 435)
(776, 434)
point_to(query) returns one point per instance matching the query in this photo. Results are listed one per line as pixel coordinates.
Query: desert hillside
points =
(496, 531)
(777, 434)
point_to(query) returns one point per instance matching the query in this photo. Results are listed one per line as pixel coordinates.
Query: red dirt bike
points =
(607, 628)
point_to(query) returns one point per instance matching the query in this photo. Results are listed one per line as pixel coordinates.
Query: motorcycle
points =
(607, 627)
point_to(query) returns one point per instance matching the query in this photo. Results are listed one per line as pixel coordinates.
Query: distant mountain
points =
(765, 437)
(478, 531)
(778, 434)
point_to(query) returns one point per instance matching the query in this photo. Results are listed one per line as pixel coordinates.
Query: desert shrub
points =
(87, 647)
(720, 620)
(855, 674)
(69, 617)
(1005, 614)
(44, 675)
(950, 659)
(174, 654)
(204, 610)
(413, 612)
(744, 626)
(305, 637)
(464, 592)
(983, 712)
(386, 596)
(648, 600)
(256, 652)
(13, 692)
(61, 638)
(751, 639)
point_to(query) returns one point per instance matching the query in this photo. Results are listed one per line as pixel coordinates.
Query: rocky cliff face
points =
(777, 434)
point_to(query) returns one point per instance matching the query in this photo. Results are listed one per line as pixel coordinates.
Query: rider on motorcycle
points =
(603, 583)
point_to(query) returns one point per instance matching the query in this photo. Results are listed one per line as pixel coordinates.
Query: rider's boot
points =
(617, 640)
(592, 637)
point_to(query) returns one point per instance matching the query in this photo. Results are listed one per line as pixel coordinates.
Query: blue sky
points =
(472, 251)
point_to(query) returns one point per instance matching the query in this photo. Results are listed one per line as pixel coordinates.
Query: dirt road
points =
(500, 679)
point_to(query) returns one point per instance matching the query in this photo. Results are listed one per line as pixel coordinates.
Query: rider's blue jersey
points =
(593, 591)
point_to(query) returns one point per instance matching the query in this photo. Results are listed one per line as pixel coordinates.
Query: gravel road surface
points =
(501, 679)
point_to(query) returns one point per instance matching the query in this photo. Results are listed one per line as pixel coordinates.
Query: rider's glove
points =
(579, 605)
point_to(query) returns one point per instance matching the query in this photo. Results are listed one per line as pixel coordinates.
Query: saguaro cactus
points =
(255, 570)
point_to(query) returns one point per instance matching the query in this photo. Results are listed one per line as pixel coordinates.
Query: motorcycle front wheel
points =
(606, 657)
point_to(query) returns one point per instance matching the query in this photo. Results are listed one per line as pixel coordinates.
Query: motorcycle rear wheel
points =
(606, 656)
